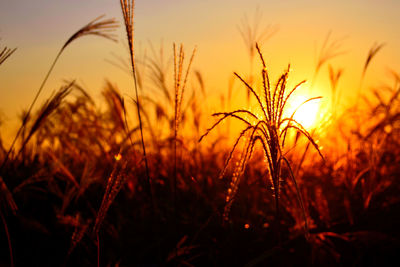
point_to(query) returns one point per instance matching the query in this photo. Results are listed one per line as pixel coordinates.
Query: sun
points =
(307, 114)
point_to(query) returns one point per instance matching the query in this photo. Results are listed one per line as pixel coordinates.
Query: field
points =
(276, 179)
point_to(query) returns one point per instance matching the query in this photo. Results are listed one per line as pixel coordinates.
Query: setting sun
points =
(307, 113)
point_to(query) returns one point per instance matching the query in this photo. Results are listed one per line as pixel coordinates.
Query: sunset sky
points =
(39, 28)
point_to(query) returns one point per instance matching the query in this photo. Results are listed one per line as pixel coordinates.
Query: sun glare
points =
(306, 114)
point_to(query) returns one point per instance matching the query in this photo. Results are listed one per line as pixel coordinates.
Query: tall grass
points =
(270, 129)
(127, 8)
(376, 47)
(73, 154)
(7, 198)
(46, 110)
(334, 77)
(4, 54)
(252, 31)
(96, 27)
(180, 79)
(329, 50)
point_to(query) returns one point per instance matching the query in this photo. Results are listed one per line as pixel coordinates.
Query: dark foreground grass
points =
(59, 181)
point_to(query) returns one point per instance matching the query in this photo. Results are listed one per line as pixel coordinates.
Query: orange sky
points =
(39, 28)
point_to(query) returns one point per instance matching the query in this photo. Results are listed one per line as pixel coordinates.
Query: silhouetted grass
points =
(77, 190)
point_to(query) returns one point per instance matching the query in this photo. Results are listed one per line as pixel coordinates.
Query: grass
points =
(127, 8)
(83, 185)
(371, 54)
(270, 130)
(252, 31)
(96, 27)
(329, 50)
(6, 53)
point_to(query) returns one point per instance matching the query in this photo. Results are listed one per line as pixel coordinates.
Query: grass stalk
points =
(98, 249)
(270, 129)
(127, 8)
(8, 239)
(253, 32)
(329, 50)
(180, 79)
(376, 47)
(95, 27)
(27, 114)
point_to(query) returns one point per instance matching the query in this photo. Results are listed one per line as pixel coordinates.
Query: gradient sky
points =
(39, 28)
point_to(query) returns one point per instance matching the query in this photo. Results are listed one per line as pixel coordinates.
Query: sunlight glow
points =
(307, 114)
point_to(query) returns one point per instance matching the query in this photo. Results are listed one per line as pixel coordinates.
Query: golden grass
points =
(270, 129)
(96, 27)
(253, 32)
(371, 54)
(376, 47)
(114, 185)
(329, 50)
(334, 77)
(82, 156)
(127, 8)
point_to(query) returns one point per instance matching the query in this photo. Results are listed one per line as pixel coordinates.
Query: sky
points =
(39, 28)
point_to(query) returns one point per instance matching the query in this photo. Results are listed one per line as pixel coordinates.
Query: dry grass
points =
(127, 8)
(371, 54)
(45, 111)
(252, 32)
(180, 79)
(79, 175)
(95, 27)
(114, 185)
(329, 50)
(376, 47)
(334, 77)
(270, 129)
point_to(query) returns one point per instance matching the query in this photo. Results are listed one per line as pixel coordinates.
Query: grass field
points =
(280, 178)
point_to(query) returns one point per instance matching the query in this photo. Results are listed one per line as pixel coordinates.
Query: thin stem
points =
(177, 80)
(8, 239)
(128, 13)
(24, 121)
(177, 73)
(98, 250)
(299, 197)
(141, 132)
